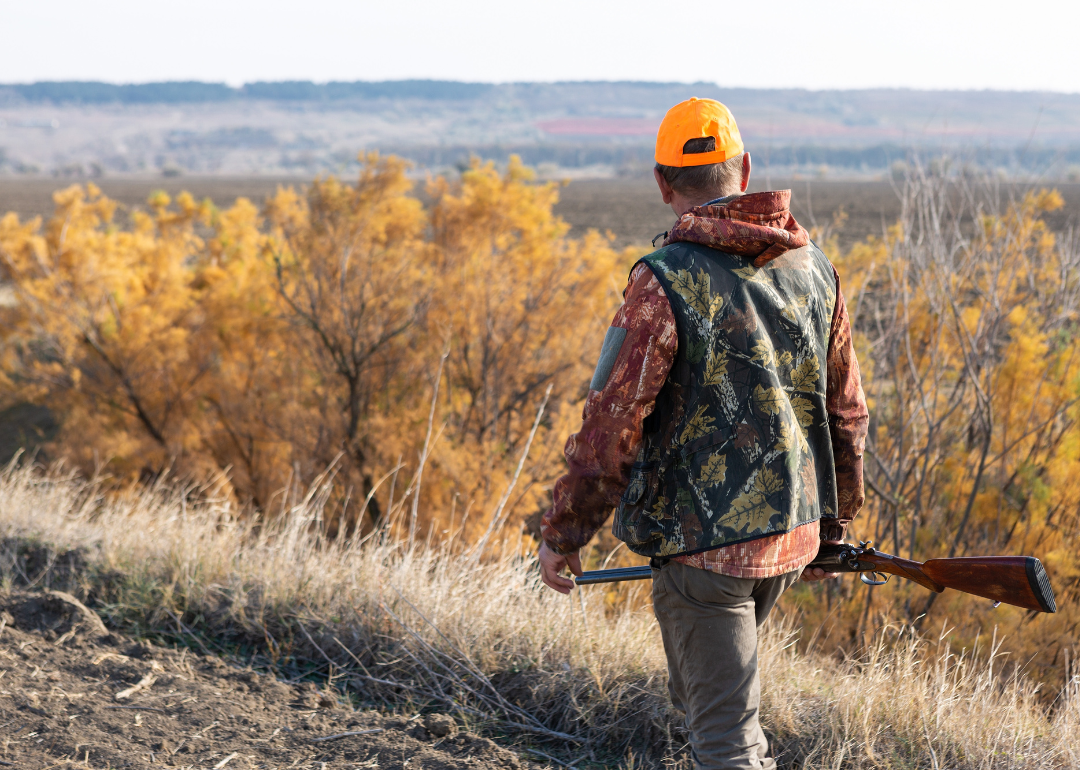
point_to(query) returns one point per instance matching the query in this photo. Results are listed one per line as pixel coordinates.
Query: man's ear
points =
(745, 171)
(665, 189)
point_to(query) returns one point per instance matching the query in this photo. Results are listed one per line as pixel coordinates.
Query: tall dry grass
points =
(417, 626)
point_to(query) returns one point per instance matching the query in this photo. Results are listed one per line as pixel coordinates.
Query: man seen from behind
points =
(725, 423)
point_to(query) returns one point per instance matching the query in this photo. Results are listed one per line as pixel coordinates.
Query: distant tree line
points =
(180, 92)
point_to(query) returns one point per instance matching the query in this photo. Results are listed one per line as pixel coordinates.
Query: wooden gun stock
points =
(1017, 580)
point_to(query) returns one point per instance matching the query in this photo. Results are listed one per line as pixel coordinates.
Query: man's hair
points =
(716, 179)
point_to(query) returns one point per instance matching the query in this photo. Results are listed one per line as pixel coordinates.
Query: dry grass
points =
(420, 626)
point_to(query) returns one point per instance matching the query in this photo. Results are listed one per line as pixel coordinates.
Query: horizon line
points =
(239, 89)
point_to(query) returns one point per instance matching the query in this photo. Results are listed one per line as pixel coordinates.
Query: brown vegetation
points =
(348, 356)
(965, 318)
(422, 629)
(269, 347)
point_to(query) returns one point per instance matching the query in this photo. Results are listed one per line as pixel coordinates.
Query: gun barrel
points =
(614, 575)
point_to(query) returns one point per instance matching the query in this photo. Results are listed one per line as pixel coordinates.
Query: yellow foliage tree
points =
(106, 329)
(514, 296)
(965, 327)
(270, 347)
(433, 359)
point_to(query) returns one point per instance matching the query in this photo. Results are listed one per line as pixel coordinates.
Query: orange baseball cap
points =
(695, 119)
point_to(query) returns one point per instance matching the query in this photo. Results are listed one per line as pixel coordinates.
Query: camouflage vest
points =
(738, 446)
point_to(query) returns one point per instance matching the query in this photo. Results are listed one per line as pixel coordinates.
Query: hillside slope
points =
(78, 696)
(417, 629)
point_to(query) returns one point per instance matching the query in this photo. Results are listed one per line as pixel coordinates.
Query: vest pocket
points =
(702, 476)
(640, 475)
(634, 522)
(709, 441)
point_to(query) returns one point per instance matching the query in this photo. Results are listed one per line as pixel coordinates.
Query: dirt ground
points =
(634, 213)
(30, 196)
(76, 695)
(630, 208)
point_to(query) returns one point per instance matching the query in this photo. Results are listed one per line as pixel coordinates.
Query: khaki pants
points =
(710, 627)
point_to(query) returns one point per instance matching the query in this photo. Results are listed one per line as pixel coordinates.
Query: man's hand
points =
(550, 565)
(813, 574)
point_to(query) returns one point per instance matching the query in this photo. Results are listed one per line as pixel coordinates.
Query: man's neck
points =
(680, 203)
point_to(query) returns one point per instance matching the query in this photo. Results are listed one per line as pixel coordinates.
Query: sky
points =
(947, 44)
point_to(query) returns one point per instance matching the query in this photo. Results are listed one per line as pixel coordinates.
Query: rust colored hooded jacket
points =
(758, 228)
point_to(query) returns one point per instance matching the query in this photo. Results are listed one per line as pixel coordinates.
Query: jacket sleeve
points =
(848, 420)
(638, 352)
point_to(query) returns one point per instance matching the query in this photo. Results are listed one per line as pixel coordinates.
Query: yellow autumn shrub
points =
(345, 333)
(965, 323)
(421, 365)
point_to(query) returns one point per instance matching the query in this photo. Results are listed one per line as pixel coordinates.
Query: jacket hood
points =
(758, 226)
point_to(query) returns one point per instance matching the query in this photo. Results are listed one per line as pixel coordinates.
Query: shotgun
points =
(1017, 580)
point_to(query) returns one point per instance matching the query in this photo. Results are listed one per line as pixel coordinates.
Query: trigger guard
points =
(863, 577)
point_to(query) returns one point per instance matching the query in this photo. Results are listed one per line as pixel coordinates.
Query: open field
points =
(33, 197)
(630, 208)
(302, 128)
(634, 213)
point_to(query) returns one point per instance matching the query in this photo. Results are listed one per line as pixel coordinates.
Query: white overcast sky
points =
(940, 44)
